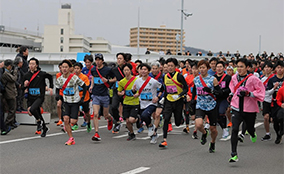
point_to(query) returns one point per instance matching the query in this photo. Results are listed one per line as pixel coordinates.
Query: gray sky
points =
(215, 25)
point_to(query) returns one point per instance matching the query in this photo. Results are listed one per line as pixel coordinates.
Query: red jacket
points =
(280, 96)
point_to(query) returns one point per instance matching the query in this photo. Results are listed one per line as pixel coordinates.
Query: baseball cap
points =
(230, 67)
(99, 56)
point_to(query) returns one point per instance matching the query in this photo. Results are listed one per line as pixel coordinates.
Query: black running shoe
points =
(241, 138)
(194, 135)
(44, 131)
(212, 148)
(131, 136)
(203, 138)
(278, 139)
(39, 127)
(266, 138)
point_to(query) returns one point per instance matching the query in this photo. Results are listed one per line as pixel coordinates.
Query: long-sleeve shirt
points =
(280, 96)
(253, 85)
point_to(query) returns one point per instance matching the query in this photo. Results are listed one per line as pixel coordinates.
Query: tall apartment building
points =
(60, 38)
(156, 39)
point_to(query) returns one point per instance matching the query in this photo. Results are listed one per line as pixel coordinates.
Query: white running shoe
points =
(154, 139)
(151, 130)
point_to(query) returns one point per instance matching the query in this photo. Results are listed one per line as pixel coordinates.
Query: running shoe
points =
(247, 133)
(151, 130)
(170, 127)
(154, 139)
(131, 136)
(225, 135)
(140, 130)
(206, 126)
(6, 131)
(59, 123)
(234, 159)
(194, 135)
(39, 127)
(278, 139)
(96, 137)
(63, 130)
(186, 130)
(212, 148)
(56, 121)
(253, 139)
(241, 138)
(89, 127)
(84, 124)
(110, 124)
(230, 124)
(44, 131)
(75, 127)
(71, 141)
(116, 128)
(266, 137)
(203, 138)
(163, 144)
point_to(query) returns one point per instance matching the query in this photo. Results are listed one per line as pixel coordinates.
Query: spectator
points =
(168, 52)
(264, 54)
(9, 79)
(24, 53)
(199, 53)
(228, 54)
(209, 53)
(237, 54)
(188, 53)
(18, 62)
(147, 52)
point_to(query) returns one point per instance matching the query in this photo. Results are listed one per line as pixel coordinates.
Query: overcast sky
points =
(215, 25)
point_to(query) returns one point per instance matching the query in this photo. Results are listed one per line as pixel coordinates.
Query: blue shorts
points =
(100, 100)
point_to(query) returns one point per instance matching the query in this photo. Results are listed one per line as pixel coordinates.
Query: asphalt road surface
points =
(22, 152)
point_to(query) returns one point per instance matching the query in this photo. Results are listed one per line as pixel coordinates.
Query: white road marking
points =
(48, 135)
(121, 136)
(137, 170)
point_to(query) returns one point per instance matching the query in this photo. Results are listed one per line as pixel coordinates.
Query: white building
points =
(60, 38)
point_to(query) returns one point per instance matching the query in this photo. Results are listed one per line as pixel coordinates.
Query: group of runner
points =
(207, 92)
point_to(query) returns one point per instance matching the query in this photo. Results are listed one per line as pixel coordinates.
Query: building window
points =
(61, 39)
(62, 31)
(61, 48)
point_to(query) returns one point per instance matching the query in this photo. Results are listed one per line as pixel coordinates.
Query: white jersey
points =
(71, 92)
(148, 93)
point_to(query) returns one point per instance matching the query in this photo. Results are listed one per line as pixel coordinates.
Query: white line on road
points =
(138, 170)
(48, 135)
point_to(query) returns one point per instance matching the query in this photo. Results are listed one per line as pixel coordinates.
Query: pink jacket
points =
(254, 85)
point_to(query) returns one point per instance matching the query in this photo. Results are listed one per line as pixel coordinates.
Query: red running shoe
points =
(110, 124)
(170, 128)
(96, 137)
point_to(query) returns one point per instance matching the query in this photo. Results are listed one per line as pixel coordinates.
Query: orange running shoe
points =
(163, 144)
(59, 123)
(71, 141)
(38, 132)
(170, 128)
(230, 124)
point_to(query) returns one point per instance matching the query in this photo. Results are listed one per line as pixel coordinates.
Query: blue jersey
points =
(204, 101)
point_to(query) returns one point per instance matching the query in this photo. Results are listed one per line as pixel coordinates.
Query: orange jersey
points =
(57, 76)
(184, 71)
(189, 80)
(85, 79)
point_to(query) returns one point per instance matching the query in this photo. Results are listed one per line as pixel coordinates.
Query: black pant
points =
(116, 100)
(278, 122)
(237, 119)
(20, 98)
(11, 103)
(35, 104)
(2, 123)
(169, 108)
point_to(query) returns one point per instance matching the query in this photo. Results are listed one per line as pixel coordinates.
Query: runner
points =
(274, 84)
(147, 92)
(212, 63)
(176, 88)
(268, 67)
(222, 103)
(69, 83)
(85, 106)
(246, 90)
(34, 82)
(205, 84)
(280, 114)
(157, 74)
(116, 99)
(88, 60)
(99, 88)
(130, 103)
(59, 102)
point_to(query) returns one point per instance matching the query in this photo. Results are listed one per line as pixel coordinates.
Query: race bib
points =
(69, 91)
(98, 81)
(171, 89)
(223, 84)
(200, 91)
(146, 96)
(34, 91)
(116, 84)
(129, 93)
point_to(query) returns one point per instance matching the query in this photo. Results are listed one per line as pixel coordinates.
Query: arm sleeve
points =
(259, 90)
(227, 91)
(193, 92)
(181, 79)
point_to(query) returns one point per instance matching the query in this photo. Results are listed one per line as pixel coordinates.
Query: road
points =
(24, 152)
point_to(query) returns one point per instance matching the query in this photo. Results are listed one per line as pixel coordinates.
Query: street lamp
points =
(181, 28)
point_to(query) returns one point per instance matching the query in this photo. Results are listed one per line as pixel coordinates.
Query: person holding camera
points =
(8, 80)
(18, 63)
